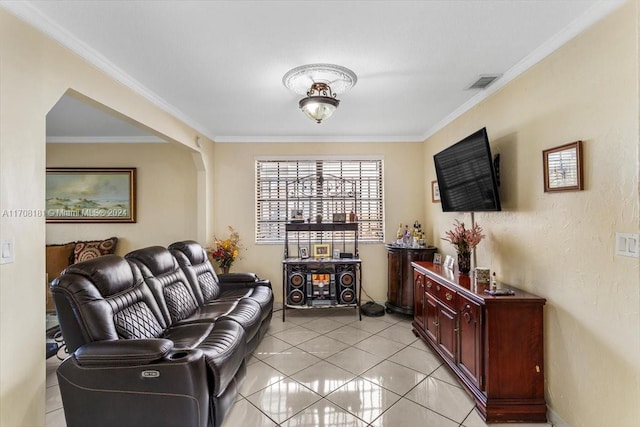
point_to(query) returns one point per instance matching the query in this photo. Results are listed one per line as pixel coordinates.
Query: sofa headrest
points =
(110, 274)
(156, 259)
(192, 250)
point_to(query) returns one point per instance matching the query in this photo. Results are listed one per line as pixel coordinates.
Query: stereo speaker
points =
(346, 280)
(296, 283)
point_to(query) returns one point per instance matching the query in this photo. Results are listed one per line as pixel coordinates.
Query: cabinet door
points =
(407, 295)
(447, 325)
(419, 297)
(394, 290)
(431, 317)
(470, 329)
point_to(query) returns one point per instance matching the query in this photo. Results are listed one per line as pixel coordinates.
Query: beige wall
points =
(166, 193)
(557, 245)
(561, 246)
(34, 73)
(234, 188)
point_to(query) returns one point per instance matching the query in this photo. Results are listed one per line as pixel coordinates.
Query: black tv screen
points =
(466, 178)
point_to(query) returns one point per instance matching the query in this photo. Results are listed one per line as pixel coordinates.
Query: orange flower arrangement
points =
(226, 251)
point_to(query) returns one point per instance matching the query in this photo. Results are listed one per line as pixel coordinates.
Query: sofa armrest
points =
(238, 277)
(131, 382)
(124, 352)
(247, 280)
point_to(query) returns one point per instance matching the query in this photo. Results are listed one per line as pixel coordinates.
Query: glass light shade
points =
(318, 108)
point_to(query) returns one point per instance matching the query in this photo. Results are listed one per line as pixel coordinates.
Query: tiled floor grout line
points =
(321, 398)
(325, 359)
(403, 396)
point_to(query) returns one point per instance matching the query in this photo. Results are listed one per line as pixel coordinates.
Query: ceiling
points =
(218, 65)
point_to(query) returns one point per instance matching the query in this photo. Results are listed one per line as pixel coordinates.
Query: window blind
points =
(272, 177)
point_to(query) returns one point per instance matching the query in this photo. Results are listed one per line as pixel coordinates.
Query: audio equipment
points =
(316, 284)
(322, 285)
(346, 280)
(296, 283)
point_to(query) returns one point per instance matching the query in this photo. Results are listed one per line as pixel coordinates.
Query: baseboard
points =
(555, 420)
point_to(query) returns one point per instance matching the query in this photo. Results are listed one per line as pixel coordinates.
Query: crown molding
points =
(28, 13)
(31, 15)
(315, 139)
(105, 140)
(598, 11)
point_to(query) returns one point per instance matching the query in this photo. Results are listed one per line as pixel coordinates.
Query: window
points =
(272, 211)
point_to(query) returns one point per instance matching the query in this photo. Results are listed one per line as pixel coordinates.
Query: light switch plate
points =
(7, 249)
(628, 244)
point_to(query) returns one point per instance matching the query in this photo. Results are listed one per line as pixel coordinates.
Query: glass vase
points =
(464, 263)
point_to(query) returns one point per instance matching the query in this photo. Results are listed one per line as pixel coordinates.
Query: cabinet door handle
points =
(428, 284)
(436, 323)
(437, 287)
(448, 296)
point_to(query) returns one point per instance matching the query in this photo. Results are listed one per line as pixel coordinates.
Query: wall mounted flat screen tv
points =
(466, 176)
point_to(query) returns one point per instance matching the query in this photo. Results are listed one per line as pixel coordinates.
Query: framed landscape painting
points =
(91, 195)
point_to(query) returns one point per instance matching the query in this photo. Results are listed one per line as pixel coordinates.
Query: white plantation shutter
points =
(272, 177)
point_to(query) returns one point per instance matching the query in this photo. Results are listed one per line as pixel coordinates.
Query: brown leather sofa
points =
(146, 350)
(211, 289)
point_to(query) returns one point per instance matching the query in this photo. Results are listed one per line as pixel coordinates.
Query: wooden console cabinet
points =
(493, 344)
(400, 276)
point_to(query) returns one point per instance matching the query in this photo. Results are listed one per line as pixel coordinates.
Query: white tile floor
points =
(325, 368)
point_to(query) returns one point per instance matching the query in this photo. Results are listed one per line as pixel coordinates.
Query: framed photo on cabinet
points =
(448, 262)
(304, 252)
(322, 250)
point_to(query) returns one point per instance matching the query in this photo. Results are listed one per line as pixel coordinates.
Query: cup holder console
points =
(178, 355)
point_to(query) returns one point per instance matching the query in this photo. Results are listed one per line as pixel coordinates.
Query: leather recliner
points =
(177, 302)
(208, 287)
(140, 358)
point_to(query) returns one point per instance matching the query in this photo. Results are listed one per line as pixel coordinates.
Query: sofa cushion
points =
(261, 294)
(110, 274)
(94, 248)
(223, 343)
(105, 298)
(58, 257)
(207, 286)
(167, 282)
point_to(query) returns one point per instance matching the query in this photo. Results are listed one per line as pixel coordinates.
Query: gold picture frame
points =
(563, 168)
(322, 250)
(83, 195)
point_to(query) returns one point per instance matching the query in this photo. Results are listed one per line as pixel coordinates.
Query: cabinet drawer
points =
(444, 294)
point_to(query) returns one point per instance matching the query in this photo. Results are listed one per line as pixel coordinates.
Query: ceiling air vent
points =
(483, 81)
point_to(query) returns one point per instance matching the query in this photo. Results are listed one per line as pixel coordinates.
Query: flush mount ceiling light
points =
(320, 83)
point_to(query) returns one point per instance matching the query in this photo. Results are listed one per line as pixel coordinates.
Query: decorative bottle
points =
(399, 235)
(406, 237)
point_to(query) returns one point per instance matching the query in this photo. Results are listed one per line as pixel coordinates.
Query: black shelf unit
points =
(345, 235)
(334, 280)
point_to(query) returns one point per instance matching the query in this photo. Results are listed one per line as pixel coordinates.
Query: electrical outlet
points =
(628, 244)
(6, 250)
